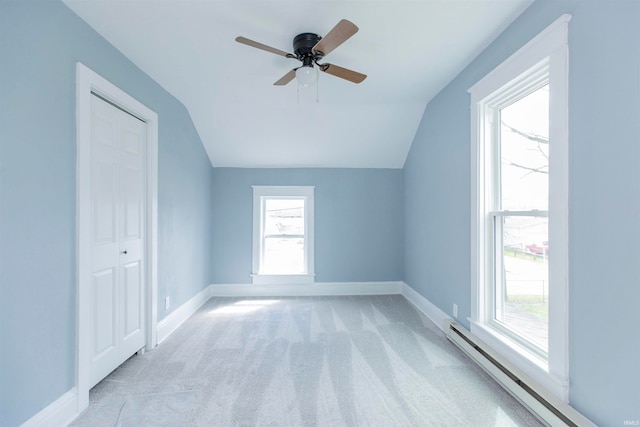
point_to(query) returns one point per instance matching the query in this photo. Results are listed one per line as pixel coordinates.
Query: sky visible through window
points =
(525, 153)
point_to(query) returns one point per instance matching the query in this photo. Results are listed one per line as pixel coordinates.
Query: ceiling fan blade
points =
(255, 44)
(286, 78)
(343, 73)
(338, 35)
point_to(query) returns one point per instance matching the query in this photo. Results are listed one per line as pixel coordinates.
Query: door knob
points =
(123, 252)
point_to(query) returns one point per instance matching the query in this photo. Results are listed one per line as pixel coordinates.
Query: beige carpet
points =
(313, 361)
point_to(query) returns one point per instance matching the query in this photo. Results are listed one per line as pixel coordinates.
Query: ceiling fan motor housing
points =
(303, 48)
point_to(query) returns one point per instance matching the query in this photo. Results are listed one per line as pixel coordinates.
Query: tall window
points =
(282, 235)
(519, 201)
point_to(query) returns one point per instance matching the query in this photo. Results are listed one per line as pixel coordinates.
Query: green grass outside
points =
(532, 303)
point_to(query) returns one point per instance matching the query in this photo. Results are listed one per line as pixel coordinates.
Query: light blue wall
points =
(604, 197)
(40, 43)
(358, 222)
(360, 232)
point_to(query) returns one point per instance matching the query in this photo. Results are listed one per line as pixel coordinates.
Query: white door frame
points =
(88, 82)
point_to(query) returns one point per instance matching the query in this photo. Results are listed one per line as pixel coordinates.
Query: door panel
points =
(133, 316)
(133, 141)
(105, 328)
(118, 213)
(133, 215)
(132, 296)
(103, 129)
(104, 203)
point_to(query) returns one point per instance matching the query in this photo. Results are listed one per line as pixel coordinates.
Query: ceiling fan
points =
(310, 48)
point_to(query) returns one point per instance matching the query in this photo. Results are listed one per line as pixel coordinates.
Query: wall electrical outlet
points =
(455, 310)
(167, 303)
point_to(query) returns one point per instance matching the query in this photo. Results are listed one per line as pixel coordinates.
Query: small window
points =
(282, 235)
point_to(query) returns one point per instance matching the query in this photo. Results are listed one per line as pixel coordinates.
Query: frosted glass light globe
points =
(306, 75)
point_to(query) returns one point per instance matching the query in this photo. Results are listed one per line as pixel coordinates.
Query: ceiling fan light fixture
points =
(307, 75)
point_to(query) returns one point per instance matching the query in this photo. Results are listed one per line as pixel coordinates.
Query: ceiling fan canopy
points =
(310, 48)
(303, 45)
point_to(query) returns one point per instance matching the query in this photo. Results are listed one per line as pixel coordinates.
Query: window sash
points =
(495, 293)
(533, 212)
(264, 236)
(497, 283)
(284, 236)
(273, 268)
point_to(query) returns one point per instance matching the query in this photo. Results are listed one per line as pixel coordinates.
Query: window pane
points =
(522, 277)
(283, 256)
(284, 216)
(524, 152)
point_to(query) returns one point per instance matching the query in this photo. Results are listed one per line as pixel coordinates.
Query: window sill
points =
(524, 360)
(282, 279)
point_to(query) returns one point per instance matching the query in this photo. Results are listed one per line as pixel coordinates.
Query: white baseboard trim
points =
(314, 289)
(177, 317)
(434, 314)
(60, 413)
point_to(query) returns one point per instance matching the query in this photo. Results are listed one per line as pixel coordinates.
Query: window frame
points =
(544, 58)
(262, 193)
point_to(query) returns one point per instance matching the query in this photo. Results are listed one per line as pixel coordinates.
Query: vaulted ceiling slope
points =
(410, 50)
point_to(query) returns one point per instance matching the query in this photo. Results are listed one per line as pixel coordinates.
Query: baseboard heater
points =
(546, 407)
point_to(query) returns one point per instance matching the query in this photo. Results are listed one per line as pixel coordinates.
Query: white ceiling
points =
(410, 50)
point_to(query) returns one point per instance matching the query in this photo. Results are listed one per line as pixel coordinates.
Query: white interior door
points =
(118, 155)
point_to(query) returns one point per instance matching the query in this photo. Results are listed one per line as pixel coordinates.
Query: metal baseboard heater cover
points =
(546, 407)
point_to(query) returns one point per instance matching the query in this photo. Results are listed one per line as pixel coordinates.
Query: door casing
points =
(88, 82)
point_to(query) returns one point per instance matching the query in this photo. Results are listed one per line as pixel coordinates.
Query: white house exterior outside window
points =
(283, 234)
(519, 205)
